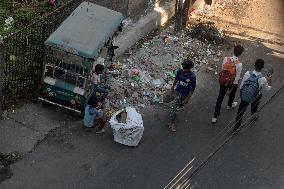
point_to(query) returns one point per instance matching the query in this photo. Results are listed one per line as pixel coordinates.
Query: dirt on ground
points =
(254, 19)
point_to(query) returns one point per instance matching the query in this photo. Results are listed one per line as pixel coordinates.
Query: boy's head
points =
(238, 50)
(93, 102)
(259, 64)
(99, 68)
(187, 65)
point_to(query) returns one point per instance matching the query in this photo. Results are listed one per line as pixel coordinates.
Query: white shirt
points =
(96, 78)
(239, 68)
(262, 82)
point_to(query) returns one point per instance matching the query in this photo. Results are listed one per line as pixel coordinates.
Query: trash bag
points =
(127, 130)
(169, 96)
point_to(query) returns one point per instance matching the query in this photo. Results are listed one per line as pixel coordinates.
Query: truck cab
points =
(71, 52)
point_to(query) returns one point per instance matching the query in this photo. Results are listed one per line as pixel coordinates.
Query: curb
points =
(143, 27)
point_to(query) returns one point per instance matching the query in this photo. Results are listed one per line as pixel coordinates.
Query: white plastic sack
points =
(131, 132)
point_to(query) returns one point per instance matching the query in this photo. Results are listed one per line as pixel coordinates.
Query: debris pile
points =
(143, 75)
(7, 159)
(207, 32)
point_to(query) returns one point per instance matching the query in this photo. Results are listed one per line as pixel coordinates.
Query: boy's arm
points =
(246, 76)
(176, 80)
(239, 68)
(191, 91)
(224, 62)
(267, 83)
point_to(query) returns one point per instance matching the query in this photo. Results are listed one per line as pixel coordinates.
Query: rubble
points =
(7, 159)
(148, 69)
(207, 32)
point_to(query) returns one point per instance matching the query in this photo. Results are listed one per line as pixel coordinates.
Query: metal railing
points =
(24, 54)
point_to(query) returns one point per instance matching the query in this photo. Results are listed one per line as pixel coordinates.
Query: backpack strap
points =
(257, 77)
(250, 73)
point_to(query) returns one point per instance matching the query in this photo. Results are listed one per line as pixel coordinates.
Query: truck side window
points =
(86, 72)
(73, 68)
(49, 71)
(59, 73)
(71, 78)
(81, 82)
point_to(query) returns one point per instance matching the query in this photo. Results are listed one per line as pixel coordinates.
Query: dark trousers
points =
(100, 89)
(243, 107)
(179, 103)
(222, 92)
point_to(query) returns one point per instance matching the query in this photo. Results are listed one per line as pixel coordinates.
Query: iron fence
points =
(24, 53)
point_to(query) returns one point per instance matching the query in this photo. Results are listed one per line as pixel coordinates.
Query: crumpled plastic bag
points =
(169, 96)
(131, 132)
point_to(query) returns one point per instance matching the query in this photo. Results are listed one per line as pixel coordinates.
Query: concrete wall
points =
(117, 5)
(136, 6)
(143, 27)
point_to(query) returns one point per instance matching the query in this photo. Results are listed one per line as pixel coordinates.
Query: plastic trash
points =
(124, 104)
(169, 96)
(127, 130)
(157, 83)
(136, 78)
(155, 99)
(171, 74)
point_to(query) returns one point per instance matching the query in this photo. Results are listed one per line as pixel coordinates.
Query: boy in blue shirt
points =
(93, 116)
(185, 83)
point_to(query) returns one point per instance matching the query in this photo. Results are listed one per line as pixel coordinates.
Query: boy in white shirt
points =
(96, 80)
(252, 84)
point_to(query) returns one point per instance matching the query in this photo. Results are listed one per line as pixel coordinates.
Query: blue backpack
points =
(250, 88)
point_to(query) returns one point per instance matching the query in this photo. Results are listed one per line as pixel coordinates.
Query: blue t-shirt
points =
(91, 114)
(185, 83)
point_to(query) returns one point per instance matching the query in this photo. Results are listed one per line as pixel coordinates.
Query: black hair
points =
(99, 68)
(93, 101)
(259, 64)
(187, 64)
(238, 50)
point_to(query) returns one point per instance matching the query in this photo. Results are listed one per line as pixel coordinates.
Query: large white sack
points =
(131, 132)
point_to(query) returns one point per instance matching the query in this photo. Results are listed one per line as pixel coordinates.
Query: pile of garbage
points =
(207, 32)
(145, 73)
(7, 159)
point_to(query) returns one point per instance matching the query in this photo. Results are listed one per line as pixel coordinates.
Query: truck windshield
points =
(68, 76)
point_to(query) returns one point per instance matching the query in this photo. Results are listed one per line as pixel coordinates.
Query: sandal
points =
(173, 129)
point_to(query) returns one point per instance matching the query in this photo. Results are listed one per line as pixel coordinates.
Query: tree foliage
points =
(24, 12)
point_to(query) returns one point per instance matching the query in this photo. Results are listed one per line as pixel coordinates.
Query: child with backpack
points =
(252, 84)
(185, 83)
(94, 115)
(229, 78)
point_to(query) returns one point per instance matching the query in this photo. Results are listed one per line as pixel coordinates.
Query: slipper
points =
(173, 129)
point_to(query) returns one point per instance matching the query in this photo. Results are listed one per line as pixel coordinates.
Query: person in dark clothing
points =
(111, 51)
(252, 84)
(94, 115)
(231, 88)
(185, 83)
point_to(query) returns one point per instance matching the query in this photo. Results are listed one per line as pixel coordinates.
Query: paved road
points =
(71, 158)
(253, 159)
